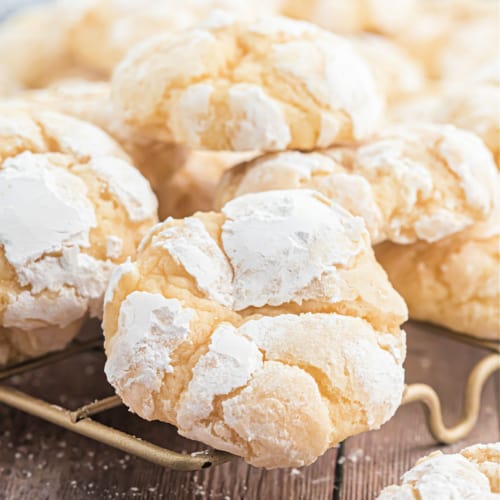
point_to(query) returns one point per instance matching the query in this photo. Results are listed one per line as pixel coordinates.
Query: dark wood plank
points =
(41, 461)
(376, 459)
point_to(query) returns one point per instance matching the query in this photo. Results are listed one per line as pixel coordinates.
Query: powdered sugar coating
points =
(192, 246)
(243, 87)
(128, 185)
(58, 311)
(115, 278)
(229, 364)
(114, 247)
(64, 215)
(150, 328)
(301, 232)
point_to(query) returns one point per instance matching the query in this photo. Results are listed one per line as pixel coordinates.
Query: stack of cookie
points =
(264, 325)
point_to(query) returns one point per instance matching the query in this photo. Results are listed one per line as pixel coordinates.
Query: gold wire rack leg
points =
(77, 422)
(427, 395)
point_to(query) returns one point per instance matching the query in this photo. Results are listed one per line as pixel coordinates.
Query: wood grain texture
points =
(41, 461)
(376, 459)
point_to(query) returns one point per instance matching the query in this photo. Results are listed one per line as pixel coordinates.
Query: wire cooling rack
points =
(80, 420)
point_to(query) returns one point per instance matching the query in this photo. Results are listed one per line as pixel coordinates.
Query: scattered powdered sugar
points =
(355, 455)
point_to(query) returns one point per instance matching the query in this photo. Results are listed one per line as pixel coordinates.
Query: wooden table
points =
(41, 461)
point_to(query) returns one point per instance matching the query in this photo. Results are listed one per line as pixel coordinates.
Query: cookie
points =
(91, 101)
(269, 85)
(354, 16)
(455, 282)
(472, 473)
(101, 32)
(255, 329)
(409, 183)
(71, 208)
(472, 106)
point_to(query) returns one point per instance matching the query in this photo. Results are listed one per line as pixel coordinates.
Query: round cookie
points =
(269, 85)
(409, 183)
(91, 101)
(472, 473)
(267, 329)
(454, 282)
(192, 188)
(473, 106)
(353, 16)
(71, 208)
(396, 72)
(103, 31)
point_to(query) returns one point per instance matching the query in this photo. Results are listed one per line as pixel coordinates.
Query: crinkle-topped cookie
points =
(266, 329)
(353, 16)
(473, 106)
(71, 208)
(91, 101)
(268, 85)
(101, 32)
(409, 183)
(455, 282)
(473, 473)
